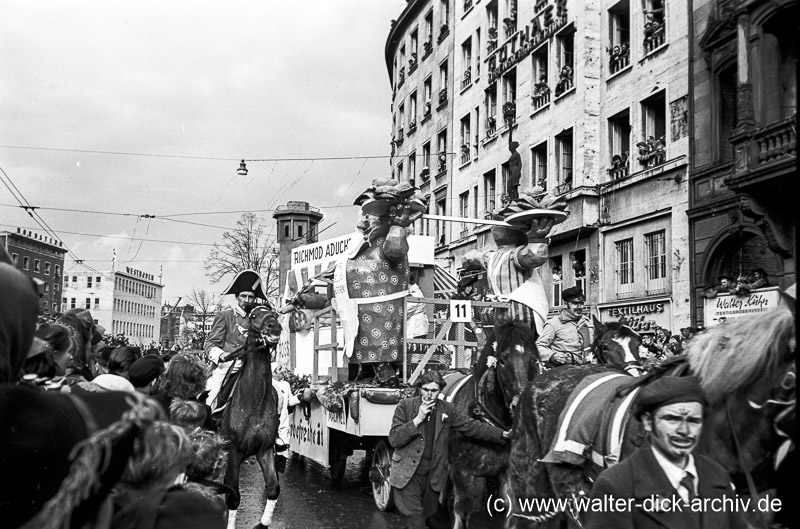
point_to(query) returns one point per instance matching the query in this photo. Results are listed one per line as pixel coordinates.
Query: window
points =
(412, 166)
(619, 134)
(441, 209)
(465, 139)
(656, 265)
(578, 264)
(72, 303)
(490, 104)
(476, 139)
(399, 173)
(463, 212)
(75, 279)
(619, 28)
(428, 44)
(286, 229)
(466, 63)
(96, 303)
(402, 122)
(443, 82)
(652, 150)
(412, 111)
(426, 160)
(37, 266)
(565, 62)
(47, 268)
(441, 145)
(489, 190)
(539, 165)
(300, 230)
(89, 282)
(15, 258)
(477, 71)
(427, 90)
(654, 26)
(564, 158)
(56, 287)
(97, 280)
(88, 304)
(55, 307)
(558, 278)
(510, 88)
(47, 288)
(624, 268)
(540, 94)
(413, 49)
(58, 270)
(26, 262)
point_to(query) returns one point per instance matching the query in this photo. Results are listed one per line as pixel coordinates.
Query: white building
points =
(125, 301)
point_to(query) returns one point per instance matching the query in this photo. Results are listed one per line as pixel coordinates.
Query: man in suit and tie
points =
(671, 487)
(420, 435)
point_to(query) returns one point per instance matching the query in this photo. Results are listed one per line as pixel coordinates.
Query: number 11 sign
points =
(460, 310)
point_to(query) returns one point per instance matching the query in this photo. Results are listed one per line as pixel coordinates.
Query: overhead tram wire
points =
(32, 213)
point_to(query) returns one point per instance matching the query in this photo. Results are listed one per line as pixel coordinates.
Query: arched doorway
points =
(739, 254)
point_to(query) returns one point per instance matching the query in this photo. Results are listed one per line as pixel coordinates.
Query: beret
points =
(145, 370)
(113, 383)
(669, 390)
(573, 294)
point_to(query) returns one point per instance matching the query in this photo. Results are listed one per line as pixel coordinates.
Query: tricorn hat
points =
(246, 281)
(573, 294)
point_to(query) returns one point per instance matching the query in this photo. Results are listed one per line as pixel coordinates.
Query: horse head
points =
(617, 344)
(516, 360)
(747, 370)
(264, 324)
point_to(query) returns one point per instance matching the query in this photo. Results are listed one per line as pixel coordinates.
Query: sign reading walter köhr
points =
(729, 306)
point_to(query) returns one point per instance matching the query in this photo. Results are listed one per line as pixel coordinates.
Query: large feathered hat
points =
(246, 281)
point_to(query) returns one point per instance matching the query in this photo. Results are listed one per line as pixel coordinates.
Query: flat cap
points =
(669, 390)
(573, 294)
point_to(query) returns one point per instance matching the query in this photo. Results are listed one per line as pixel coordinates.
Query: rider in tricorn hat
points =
(229, 331)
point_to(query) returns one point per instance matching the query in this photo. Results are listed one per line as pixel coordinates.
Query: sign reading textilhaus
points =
(642, 316)
(729, 306)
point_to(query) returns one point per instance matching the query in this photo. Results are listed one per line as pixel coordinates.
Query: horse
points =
(490, 394)
(746, 369)
(615, 344)
(250, 419)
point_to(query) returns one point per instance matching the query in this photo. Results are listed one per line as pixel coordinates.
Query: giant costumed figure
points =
(370, 285)
(512, 269)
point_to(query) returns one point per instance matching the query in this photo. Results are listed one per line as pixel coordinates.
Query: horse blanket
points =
(591, 425)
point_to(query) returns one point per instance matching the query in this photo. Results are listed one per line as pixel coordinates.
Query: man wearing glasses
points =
(566, 338)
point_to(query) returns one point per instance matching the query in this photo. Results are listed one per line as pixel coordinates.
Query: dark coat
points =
(641, 477)
(173, 508)
(409, 444)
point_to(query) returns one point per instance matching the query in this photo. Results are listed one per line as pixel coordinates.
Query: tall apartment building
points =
(125, 301)
(744, 173)
(41, 257)
(596, 94)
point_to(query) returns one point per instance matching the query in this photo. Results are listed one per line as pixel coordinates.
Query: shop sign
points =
(309, 436)
(642, 316)
(730, 306)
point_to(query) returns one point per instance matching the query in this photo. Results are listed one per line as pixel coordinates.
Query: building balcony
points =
(427, 48)
(620, 167)
(777, 142)
(654, 36)
(465, 155)
(563, 188)
(620, 58)
(774, 147)
(442, 98)
(652, 152)
(466, 80)
(566, 81)
(412, 63)
(444, 31)
(412, 126)
(540, 97)
(467, 5)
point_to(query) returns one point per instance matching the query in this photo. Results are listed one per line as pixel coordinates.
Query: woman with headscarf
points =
(19, 306)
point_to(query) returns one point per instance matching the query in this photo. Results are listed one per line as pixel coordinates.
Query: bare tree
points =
(206, 304)
(248, 246)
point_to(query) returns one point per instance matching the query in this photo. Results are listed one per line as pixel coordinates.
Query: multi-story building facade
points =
(125, 301)
(596, 94)
(40, 257)
(744, 174)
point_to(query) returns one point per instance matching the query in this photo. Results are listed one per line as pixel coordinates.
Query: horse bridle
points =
(493, 363)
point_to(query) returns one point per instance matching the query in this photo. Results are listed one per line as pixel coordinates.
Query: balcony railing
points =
(427, 48)
(653, 35)
(620, 58)
(467, 79)
(624, 290)
(656, 286)
(563, 188)
(620, 167)
(778, 141)
(444, 31)
(465, 154)
(540, 99)
(652, 152)
(412, 126)
(442, 96)
(566, 80)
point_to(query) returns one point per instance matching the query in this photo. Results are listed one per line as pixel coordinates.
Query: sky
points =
(179, 91)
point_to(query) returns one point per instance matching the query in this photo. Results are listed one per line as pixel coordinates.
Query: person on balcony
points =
(514, 170)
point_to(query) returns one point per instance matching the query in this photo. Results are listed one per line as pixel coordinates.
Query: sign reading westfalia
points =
(730, 306)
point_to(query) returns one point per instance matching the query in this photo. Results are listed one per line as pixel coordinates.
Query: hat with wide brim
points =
(246, 281)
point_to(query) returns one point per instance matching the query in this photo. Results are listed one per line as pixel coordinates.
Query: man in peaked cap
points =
(566, 337)
(668, 485)
(229, 332)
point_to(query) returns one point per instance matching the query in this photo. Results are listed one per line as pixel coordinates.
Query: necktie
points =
(687, 482)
